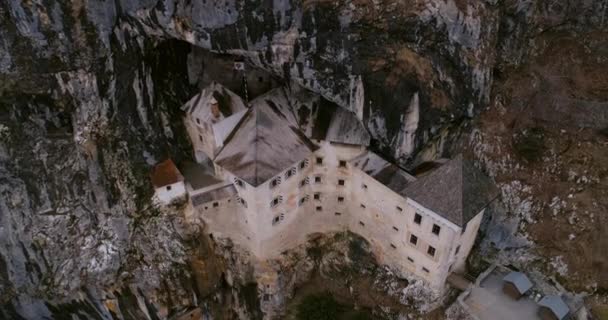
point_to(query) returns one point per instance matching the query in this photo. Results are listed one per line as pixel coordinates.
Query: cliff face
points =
(90, 94)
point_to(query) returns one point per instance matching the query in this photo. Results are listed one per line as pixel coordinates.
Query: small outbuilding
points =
(168, 183)
(553, 308)
(516, 284)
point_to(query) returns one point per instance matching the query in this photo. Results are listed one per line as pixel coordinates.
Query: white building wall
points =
(167, 194)
(387, 228)
(466, 240)
(202, 139)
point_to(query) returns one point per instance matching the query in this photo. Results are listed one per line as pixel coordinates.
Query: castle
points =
(290, 164)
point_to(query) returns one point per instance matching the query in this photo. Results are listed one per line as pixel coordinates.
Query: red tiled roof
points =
(165, 173)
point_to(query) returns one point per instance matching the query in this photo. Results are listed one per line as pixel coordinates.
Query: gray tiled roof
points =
(318, 118)
(519, 280)
(556, 304)
(390, 175)
(264, 143)
(199, 176)
(215, 194)
(457, 191)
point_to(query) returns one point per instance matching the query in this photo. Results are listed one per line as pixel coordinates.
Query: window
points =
(200, 138)
(399, 209)
(362, 206)
(457, 250)
(318, 179)
(342, 164)
(425, 269)
(410, 259)
(319, 160)
(413, 240)
(364, 186)
(417, 218)
(304, 182)
(436, 229)
(239, 183)
(361, 223)
(276, 201)
(340, 182)
(338, 213)
(303, 200)
(319, 208)
(431, 251)
(304, 164)
(278, 219)
(290, 173)
(260, 79)
(198, 120)
(168, 188)
(317, 196)
(395, 228)
(275, 182)
(215, 204)
(393, 246)
(241, 201)
(340, 199)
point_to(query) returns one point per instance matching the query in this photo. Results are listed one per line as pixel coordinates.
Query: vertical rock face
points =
(89, 99)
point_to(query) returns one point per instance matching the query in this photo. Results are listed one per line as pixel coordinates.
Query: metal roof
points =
(556, 305)
(456, 191)
(519, 280)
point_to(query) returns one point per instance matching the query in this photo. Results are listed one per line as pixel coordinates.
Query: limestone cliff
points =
(89, 100)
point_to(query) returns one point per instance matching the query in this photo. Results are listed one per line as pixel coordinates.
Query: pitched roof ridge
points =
(232, 133)
(291, 109)
(255, 145)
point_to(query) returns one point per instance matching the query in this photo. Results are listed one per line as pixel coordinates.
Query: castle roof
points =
(456, 191)
(264, 142)
(199, 176)
(165, 173)
(220, 193)
(318, 118)
(390, 175)
(213, 104)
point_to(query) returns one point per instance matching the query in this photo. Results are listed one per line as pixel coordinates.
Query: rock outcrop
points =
(89, 100)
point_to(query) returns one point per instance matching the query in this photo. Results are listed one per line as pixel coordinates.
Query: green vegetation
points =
(601, 312)
(530, 143)
(319, 307)
(323, 306)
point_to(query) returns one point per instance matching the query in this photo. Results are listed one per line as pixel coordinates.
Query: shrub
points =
(319, 307)
(530, 143)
